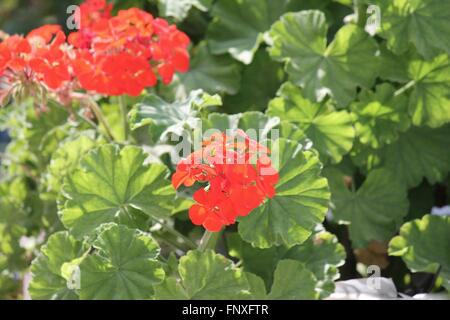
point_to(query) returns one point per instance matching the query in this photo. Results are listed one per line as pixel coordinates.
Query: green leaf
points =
(293, 281)
(423, 245)
(365, 157)
(256, 287)
(45, 131)
(301, 200)
(331, 132)
(429, 102)
(113, 116)
(177, 118)
(108, 184)
(10, 235)
(205, 276)
(349, 61)
(394, 67)
(260, 81)
(179, 9)
(261, 262)
(380, 116)
(122, 267)
(48, 282)
(419, 152)
(427, 80)
(38, 133)
(423, 23)
(322, 254)
(213, 74)
(375, 211)
(238, 26)
(256, 124)
(9, 285)
(64, 160)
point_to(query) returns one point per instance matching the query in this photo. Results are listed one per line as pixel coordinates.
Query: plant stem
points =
(79, 116)
(209, 240)
(404, 88)
(204, 241)
(360, 13)
(169, 243)
(101, 118)
(176, 233)
(124, 114)
(85, 119)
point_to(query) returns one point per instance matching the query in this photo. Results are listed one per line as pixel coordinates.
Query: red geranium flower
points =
(126, 53)
(236, 186)
(213, 210)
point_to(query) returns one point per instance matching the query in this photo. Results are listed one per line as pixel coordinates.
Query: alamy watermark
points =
(74, 17)
(373, 22)
(255, 141)
(373, 280)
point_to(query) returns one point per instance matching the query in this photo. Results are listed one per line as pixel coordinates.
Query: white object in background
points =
(441, 211)
(432, 296)
(362, 289)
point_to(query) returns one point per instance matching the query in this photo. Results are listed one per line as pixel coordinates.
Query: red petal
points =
(213, 224)
(181, 60)
(198, 214)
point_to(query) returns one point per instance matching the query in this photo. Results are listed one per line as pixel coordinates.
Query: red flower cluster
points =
(38, 57)
(239, 175)
(109, 55)
(125, 53)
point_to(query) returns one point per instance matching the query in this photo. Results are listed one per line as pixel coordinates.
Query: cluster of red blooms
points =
(239, 176)
(110, 55)
(38, 57)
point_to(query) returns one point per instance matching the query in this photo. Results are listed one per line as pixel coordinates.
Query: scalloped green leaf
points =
(257, 125)
(108, 184)
(122, 267)
(380, 116)
(428, 82)
(423, 23)
(261, 262)
(238, 26)
(256, 286)
(348, 62)
(213, 74)
(38, 135)
(177, 118)
(204, 276)
(10, 235)
(301, 200)
(394, 67)
(260, 81)
(375, 211)
(293, 281)
(64, 160)
(322, 254)
(48, 282)
(429, 102)
(419, 152)
(423, 245)
(179, 9)
(331, 132)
